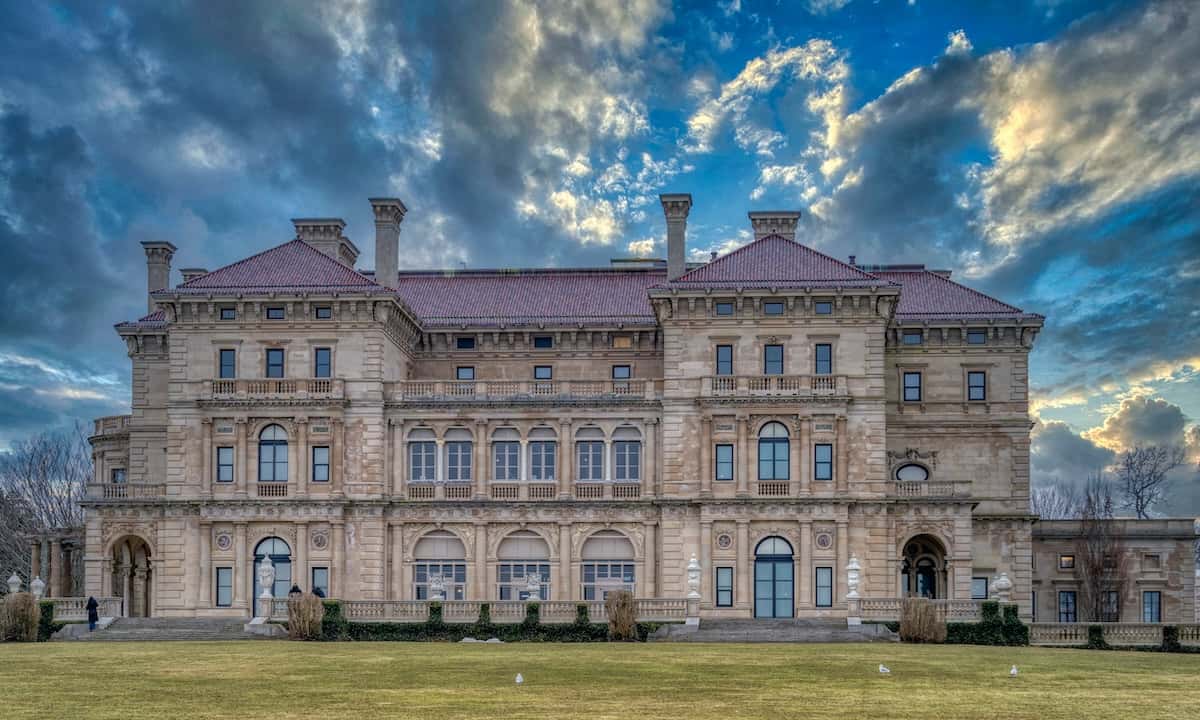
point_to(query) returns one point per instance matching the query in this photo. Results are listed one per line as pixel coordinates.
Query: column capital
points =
(206, 421)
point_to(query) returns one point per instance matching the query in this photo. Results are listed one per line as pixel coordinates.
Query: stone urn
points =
(533, 586)
(14, 584)
(1002, 588)
(437, 587)
(37, 587)
(853, 572)
(693, 578)
(266, 577)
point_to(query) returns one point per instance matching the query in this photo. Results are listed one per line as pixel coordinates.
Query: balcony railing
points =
(503, 612)
(111, 424)
(773, 488)
(773, 385)
(126, 491)
(888, 609)
(930, 488)
(1124, 634)
(275, 389)
(73, 609)
(272, 489)
(417, 391)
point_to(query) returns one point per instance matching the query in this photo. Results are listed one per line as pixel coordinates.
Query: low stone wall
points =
(1114, 634)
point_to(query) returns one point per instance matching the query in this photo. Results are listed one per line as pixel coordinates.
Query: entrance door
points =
(281, 558)
(773, 579)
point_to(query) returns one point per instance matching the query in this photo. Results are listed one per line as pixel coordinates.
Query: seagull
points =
(520, 679)
(883, 669)
(1013, 672)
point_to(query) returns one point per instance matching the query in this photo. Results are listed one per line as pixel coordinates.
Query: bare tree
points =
(1142, 475)
(41, 483)
(1101, 563)
(1055, 502)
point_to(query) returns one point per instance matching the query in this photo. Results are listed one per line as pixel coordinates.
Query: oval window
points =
(912, 473)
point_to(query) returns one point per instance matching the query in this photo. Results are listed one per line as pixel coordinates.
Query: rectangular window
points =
(912, 337)
(224, 586)
(1066, 562)
(458, 460)
(976, 385)
(591, 460)
(275, 363)
(422, 461)
(228, 364)
(724, 308)
(773, 360)
(454, 575)
(824, 587)
(464, 372)
(229, 313)
(1151, 606)
(1033, 605)
(724, 463)
(510, 579)
(320, 581)
(979, 589)
(773, 459)
(620, 372)
(323, 312)
(543, 456)
(601, 578)
(225, 464)
(543, 342)
(1151, 563)
(912, 387)
(543, 372)
(824, 357)
(1066, 606)
(506, 463)
(772, 308)
(628, 460)
(275, 312)
(823, 461)
(976, 337)
(1110, 606)
(724, 359)
(823, 307)
(322, 363)
(724, 586)
(464, 343)
(117, 476)
(320, 463)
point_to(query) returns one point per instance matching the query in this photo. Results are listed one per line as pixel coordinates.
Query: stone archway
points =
(132, 575)
(924, 568)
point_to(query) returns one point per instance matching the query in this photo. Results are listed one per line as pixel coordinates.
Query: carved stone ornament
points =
(320, 540)
(224, 541)
(266, 577)
(852, 575)
(913, 454)
(693, 576)
(824, 540)
(533, 586)
(14, 584)
(724, 541)
(437, 587)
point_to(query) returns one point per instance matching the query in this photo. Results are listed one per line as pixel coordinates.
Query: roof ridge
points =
(518, 272)
(864, 275)
(316, 254)
(973, 291)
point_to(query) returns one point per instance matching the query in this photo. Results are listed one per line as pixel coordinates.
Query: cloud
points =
(1059, 454)
(1140, 421)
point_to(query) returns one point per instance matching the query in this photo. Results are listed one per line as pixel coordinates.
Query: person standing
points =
(93, 611)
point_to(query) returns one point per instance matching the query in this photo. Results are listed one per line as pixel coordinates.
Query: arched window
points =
(521, 554)
(912, 473)
(281, 558)
(773, 452)
(272, 455)
(440, 553)
(608, 564)
(774, 545)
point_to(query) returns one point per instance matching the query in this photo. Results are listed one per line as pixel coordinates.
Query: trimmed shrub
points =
(333, 624)
(306, 614)
(921, 622)
(46, 624)
(993, 629)
(533, 613)
(622, 615)
(581, 614)
(20, 617)
(1170, 641)
(485, 614)
(1096, 638)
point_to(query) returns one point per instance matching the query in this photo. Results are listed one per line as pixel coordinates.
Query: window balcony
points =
(111, 425)
(774, 488)
(274, 389)
(521, 391)
(790, 386)
(607, 491)
(929, 489)
(272, 489)
(126, 491)
(441, 491)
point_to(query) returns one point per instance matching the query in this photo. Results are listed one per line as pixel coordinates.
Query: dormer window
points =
(725, 308)
(323, 312)
(543, 342)
(228, 313)
(772, 308)
(823, 307)
(275, 312)
(977, 336)
(464, 343)
(912, 337)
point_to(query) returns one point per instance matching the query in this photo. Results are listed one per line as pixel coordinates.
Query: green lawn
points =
(253, 680)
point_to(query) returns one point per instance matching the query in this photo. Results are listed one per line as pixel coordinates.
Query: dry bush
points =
(305, 613)
(19, 616)
(921, 621)
(622, 615)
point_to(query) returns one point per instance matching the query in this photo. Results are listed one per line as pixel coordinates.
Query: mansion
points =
(387, 436)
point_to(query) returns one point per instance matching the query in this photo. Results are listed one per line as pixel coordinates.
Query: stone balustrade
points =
(510, 391)
(888, 609)
(503, 612)
(1116, 634)
(74, 609)
(929, 489)
(111, 424)
(126, 491)
(773, 385)
(274, 389)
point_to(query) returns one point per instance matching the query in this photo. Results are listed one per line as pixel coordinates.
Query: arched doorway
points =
(923, 568)
(521, 554)
(440, 567)
(281, 557)
(608, 564)
(774, 580)
(132, 578)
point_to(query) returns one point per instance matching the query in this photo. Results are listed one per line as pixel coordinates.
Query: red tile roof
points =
(775, 261)
(530, 297)
(156, 319)
(926, 295)
(293, 266)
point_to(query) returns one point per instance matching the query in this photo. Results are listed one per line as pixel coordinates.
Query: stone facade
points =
(670, 434)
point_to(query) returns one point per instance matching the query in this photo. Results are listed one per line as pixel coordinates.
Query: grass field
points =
(259, 680)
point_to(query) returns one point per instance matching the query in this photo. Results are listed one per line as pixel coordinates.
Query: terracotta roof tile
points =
(775, 261)
(926, 295)
(292, 266)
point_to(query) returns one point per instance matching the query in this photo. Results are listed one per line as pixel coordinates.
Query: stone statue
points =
(14, 584)
(437, 587)
(533, 586)
(693, 576)
(37, 587)
(266, 577)
(852, 576)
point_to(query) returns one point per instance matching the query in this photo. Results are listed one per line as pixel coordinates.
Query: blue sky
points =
(1047, 152)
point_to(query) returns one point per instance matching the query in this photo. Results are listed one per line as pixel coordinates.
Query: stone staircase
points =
(749, 630)
(154, 629)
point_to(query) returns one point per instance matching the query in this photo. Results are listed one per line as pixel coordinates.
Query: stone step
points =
(160, 629)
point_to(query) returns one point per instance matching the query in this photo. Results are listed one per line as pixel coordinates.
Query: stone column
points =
(481, 460)
(397, 561)
(337, 573)
(804, 571)
(301, 577)
(843, 557)
(337, 459)
(562, 587)
(706, 565)
(706, 457)
(206, 457)
(795, 459)
(55, 570)
(650, 561)
(566, 464)
(744, 571)
(806, 466)
(843, 460)
(35, 561)
(743, 457)
(304, 461)
(481, 562)
(241, 462)
(650, 484)
(400, 473)
(240, 588)
(204, 597)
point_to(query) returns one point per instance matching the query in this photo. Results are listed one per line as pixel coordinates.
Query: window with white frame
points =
(506, 455)
(543, 455)
(439, 554)
(459, 447)
(320, 463)
(589, 452)
(520, 555)
(608, 565)
(627, 455)
(422, 456)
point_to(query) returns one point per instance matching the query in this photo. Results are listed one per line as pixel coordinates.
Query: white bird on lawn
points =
(883, 669)
(1013, 672)
(520, 679)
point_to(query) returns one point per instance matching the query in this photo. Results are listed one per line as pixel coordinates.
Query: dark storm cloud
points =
(1142, 421)
(1060, 454)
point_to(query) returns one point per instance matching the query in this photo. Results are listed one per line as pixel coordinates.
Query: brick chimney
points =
(325, 234)
(389, 213)
(158, 268)
(775, 222)
(676, 207)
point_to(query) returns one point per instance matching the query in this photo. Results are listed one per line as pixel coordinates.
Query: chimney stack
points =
(325, 234)
(158, 268)
(775, 222)
(389, 213)
(190, 274)
(676, 207)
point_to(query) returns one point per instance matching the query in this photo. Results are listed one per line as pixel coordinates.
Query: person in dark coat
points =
(93, 609)
(318, 592)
